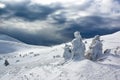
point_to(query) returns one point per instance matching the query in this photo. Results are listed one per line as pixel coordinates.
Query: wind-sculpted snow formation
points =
(95, 49)
(78, 49)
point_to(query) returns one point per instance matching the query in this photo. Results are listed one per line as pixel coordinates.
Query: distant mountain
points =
(8, 38)
(10, 45)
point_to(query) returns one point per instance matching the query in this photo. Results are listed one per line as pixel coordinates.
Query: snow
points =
(29, 62)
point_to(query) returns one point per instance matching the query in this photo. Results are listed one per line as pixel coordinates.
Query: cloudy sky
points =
(50, 22)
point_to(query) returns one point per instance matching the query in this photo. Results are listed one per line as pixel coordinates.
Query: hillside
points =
(28, 62)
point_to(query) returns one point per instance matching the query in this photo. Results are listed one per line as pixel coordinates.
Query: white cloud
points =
(29, 27)
(74, 9)
(52, 1)
(12, 1)
(78, 8)
(39, 28)
(2, 5)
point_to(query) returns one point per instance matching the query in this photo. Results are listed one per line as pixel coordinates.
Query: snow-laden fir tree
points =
(95, 49)
(67, 52)
(78, 47)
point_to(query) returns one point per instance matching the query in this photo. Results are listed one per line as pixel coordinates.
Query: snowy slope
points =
(11, 45)
(110, 41)
(28, 62)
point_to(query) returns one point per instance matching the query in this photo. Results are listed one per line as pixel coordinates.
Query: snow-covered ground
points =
(29, 62)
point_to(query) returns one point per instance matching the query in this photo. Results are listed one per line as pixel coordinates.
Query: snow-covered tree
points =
(67, 52)
(78, 47)
(95, 49)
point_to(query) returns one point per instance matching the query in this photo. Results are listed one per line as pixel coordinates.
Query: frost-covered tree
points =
(95, 49)
(6, 63)
(67, 52)
(78, 47)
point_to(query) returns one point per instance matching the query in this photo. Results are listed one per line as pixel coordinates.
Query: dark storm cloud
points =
(91, 26)
(88, 26)
(59, 19)
(118, 1)
(42, 37)
(27, 11)
(59, 28)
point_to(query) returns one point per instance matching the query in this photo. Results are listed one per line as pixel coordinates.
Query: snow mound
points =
(82, 70)
(88, 70)
(111, 59)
